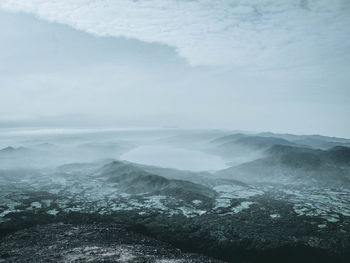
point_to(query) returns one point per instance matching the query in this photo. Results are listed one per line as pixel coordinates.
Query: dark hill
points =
(262, 142)
(290, 164)
(134, 180)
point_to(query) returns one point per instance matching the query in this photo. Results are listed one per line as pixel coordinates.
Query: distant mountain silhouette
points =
(258, 142)
(11, 151)
(240, 148)
(291, 164)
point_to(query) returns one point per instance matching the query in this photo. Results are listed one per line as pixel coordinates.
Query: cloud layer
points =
(257, 33)
(253, 65)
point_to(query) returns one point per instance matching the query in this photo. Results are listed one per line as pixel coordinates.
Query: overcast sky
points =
(256, 65)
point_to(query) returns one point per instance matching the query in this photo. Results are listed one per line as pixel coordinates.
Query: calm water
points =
(166, 156)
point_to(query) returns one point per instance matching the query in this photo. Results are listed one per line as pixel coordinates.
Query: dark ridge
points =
(339, 154)
(336, 155)
(134, 180)
(262, 142)
(8, 149)
(13, 150)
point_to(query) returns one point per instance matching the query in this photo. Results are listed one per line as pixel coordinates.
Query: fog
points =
(174, 131)
(144, 180)
(165, 156)
(49, 148)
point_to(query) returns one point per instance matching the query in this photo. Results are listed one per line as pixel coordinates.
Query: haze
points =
(262, 65)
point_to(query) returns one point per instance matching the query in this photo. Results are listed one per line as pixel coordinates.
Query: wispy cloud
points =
(253, 65)
(259, 33)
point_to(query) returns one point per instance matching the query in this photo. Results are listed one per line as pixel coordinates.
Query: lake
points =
(171, 157)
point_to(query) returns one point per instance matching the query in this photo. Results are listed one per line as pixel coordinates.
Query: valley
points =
(240, 217)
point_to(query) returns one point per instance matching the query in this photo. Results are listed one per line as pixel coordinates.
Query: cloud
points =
(253, 34)
(256, 65)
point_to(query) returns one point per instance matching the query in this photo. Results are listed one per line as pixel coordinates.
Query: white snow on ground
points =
(237, 191)
(242, 206)
(325, 203)
(91, 254)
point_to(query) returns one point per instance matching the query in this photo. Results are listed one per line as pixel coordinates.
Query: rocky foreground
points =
(224, 219)
(290, 205)
(90, 243)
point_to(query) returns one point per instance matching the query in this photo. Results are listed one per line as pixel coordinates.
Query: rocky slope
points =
(288, 202)
(90, 243)
(229, 220)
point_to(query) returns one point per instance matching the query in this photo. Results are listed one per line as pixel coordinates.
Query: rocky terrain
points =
(299, 210)
(90, 243)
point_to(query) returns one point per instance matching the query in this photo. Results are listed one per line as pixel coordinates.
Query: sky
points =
(258, 65)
